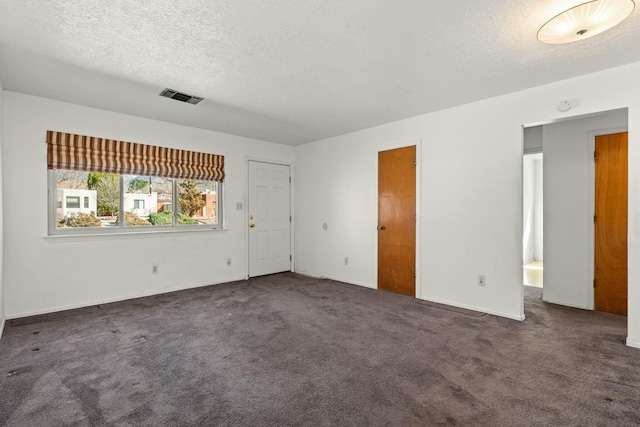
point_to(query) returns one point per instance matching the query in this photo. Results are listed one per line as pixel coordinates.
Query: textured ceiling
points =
(291, 71)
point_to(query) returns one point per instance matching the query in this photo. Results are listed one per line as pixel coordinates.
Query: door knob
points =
(252, 225)
(381, 227)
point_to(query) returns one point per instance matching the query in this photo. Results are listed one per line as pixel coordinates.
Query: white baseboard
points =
(568, 304)
(110, 300)
(633, 343)
(351, 282)
(475, 308)
(468, 307)
(337, 279)
(309, 275)
(2, 322)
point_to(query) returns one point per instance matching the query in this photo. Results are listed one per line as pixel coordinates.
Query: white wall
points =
(528, 209)
(538, 210)
(568, 210)
(532, 140)
(532, 206)
(2, 298)
(532, 194)
(108, 267)
(471, 196)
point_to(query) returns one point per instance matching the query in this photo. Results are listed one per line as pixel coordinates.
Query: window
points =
(195, 200)
(130, 201)
(145, 201)
(73, 202)
(148, 201)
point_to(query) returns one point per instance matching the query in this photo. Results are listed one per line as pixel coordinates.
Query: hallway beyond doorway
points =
(533, 273)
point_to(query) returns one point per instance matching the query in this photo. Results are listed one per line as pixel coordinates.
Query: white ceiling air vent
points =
(174, 94)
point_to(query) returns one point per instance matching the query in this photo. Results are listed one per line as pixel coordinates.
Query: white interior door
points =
(269, 218)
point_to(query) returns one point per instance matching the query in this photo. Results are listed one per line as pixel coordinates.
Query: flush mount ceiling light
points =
(585, 20)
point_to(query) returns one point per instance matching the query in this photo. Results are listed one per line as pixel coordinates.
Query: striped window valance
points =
(87, 153)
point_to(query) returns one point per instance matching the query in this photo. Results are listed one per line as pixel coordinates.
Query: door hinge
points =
(594, 156)
(594, 283)
(289, 180)
(290, 258)
(414, 273)
(415, 162)
(289, 218)
(415, 218)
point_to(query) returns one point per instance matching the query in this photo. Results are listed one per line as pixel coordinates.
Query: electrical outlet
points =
(228, 261)
(154, 269)
(481, 280)
(346, 260)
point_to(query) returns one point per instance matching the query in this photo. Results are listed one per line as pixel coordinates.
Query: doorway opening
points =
(532, 233)
(571, 209)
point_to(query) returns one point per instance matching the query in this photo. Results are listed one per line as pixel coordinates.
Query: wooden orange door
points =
(397, 220)
(610, 223)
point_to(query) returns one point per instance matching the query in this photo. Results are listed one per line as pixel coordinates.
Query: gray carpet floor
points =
(286, 350)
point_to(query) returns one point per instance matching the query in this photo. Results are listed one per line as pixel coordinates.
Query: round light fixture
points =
(585, 20)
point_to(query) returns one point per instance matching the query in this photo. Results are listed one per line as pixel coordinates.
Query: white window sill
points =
(55, 238)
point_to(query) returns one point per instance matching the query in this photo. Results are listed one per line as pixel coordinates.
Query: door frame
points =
(591, 178)
(245, 209)
(400, 144)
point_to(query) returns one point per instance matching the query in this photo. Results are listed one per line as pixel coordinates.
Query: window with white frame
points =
(130, 201)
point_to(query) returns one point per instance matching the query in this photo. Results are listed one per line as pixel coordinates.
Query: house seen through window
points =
(132, 201)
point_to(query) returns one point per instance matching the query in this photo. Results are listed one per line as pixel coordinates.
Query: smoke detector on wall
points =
(179, 96)
(564, 106)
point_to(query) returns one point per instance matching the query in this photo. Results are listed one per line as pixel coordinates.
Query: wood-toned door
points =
(610, 223)
(397, 220)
